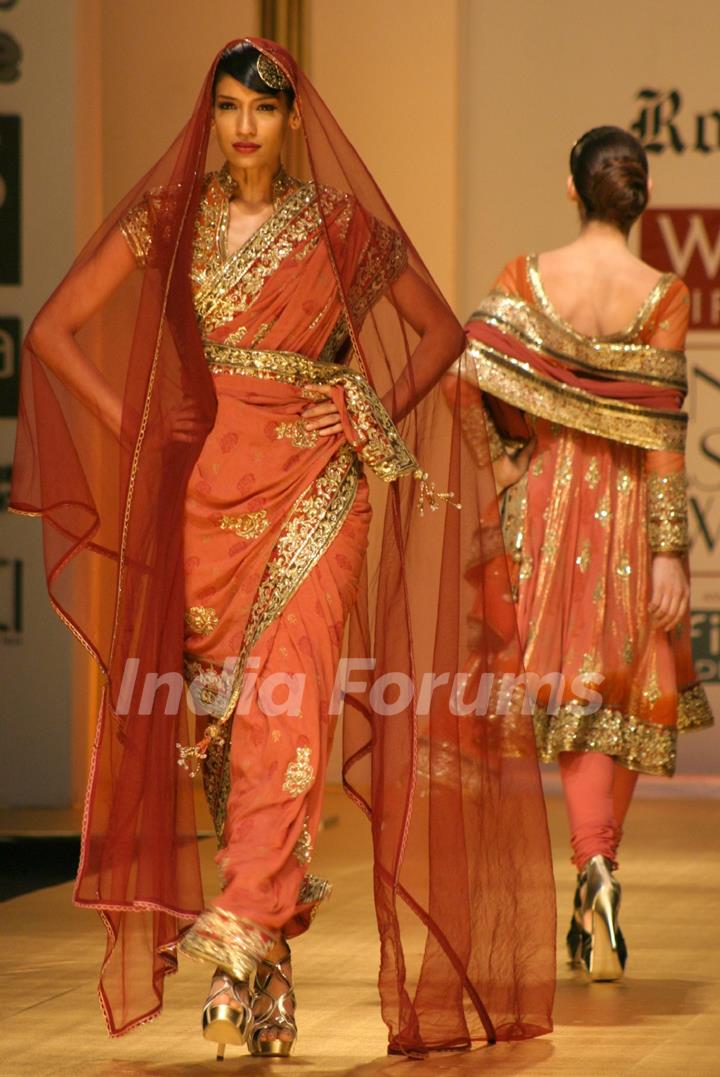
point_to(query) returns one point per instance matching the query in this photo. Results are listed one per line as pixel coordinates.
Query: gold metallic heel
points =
(272, 1011)
(604, 952)
(221, 1022)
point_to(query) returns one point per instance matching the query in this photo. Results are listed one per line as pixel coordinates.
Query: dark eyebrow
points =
(261, 97)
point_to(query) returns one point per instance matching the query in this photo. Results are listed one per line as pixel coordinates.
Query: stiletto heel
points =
(574, 937)
(221, 1022)
(273, 1012)
(603, 948)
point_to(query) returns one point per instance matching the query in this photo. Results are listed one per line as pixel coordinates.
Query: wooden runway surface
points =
(664, 1019)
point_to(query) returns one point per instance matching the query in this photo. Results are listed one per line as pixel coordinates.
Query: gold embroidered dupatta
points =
(630, 392)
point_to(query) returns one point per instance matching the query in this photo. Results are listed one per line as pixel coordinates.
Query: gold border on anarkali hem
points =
(638, 745)
(518, 384)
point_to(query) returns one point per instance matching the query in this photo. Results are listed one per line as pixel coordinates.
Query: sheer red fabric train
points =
(462, 876)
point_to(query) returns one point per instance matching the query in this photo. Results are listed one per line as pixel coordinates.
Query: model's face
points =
(250, 127)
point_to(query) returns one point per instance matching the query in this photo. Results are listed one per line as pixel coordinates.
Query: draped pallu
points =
(241, 559)
(605, 490)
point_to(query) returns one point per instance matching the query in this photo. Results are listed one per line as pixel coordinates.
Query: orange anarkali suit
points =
(605, 489)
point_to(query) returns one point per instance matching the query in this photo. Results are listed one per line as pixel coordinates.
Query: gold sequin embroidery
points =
(589, 663)
(247, 526)
(624, 482)
(201, 620)
(299, 775)
(135, 227)
(637, 744)
(667, 512)
(303, 849)
(623, 568)
(220, 937)
(583, 558)
(519, 384)
(526, 567)
(652, 691)
(603, 513)
(592, 475)
(298, 433)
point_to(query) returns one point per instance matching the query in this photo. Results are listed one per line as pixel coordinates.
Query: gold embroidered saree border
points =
(225, 286)
(311, 525)
(625, 360)
(518, 384)
(637, 745)
(382, 449)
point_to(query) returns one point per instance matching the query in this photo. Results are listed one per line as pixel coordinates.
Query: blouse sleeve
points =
(666, 476)
(135, 227)
(509, 280)
(382, 260)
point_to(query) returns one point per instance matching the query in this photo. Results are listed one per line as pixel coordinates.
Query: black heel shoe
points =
(574, 937)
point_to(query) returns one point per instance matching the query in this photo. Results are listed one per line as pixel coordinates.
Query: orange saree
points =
(604, 490)
(236, 554)
(276, 525)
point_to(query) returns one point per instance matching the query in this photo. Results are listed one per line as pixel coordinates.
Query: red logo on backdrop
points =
(687, 242)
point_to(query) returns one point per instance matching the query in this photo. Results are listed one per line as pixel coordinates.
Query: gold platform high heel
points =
(270, 1011)
(603, 951)
(221, 1022)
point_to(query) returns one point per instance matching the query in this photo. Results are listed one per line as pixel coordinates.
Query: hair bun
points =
(610, 172)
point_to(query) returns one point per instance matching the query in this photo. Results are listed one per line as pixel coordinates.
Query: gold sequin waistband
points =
(290, 367)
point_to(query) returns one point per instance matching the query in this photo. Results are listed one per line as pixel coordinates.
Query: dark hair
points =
(610, 171)
(240, 63)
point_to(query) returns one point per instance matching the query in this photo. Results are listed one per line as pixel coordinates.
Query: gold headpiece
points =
(271, 74)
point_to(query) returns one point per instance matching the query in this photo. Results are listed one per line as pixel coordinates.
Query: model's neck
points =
(600, 233)
(254, 185)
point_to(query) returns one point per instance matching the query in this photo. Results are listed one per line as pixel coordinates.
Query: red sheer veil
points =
(462, 876)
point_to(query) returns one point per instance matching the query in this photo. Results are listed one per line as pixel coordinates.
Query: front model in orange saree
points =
(212, 537)
(276, 527)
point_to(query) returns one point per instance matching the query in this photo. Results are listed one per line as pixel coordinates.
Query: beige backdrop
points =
(464, 110)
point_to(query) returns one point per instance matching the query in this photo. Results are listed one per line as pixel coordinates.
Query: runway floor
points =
(664, 1019)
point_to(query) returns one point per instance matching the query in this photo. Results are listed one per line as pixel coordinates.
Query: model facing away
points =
(579, 352)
